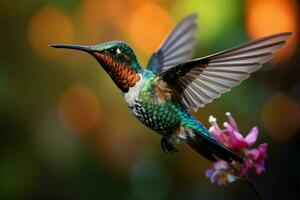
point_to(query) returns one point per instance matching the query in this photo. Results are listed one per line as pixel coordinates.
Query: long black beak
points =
(70, 46)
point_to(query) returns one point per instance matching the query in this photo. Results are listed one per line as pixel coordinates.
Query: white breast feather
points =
(134, 91)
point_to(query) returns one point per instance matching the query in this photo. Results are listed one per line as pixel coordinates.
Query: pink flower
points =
(254, 158)
(230, 136)
(221, 172)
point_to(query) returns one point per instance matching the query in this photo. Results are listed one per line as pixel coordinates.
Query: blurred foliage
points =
(67, 133)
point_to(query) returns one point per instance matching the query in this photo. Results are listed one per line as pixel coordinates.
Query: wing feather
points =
(177, 48)
(200, 81)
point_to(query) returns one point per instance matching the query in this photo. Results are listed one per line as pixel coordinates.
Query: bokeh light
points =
(148, 27)
(122, 11)
(91, 21)
(216, 18)
(281, 116)
(49, 25)
(117, 142)
(79, 109)
(273, 16)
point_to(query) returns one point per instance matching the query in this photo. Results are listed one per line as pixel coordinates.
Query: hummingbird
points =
(163, 95)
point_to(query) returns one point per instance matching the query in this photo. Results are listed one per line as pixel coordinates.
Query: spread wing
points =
(199, 81)
(177, 48)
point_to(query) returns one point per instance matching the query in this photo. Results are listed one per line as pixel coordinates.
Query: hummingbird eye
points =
(114, 51)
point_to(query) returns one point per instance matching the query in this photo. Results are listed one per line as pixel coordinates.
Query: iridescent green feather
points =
(165, 112)
(169, 113)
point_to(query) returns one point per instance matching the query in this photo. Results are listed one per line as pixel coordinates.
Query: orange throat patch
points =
(124, 76)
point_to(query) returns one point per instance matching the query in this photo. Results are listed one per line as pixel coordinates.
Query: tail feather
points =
(211, 149)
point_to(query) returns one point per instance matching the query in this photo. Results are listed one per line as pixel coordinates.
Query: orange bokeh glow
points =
(49, 25)
(148, 27)
(272, 16)
(281, 116)
(92, 19)
(121, 11)
(79, 109)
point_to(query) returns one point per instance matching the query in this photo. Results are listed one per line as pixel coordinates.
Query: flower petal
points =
(253, 154)
(263, 151)
(235, 139)
(217, 134)
(255, 160)
(213, 122)
(231, 178)
(221, 165)
(221, 172)
(209, 172)
(246, 166)
(259, 167)
(252, 136)
(232, 121)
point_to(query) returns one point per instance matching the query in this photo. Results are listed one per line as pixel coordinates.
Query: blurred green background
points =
(67, 133)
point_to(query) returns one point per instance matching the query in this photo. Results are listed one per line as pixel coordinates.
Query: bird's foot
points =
(168, 145)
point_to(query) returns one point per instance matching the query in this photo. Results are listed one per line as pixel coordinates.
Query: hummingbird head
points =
(117, 59)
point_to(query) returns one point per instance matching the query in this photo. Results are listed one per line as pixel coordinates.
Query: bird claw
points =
(168, 145)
